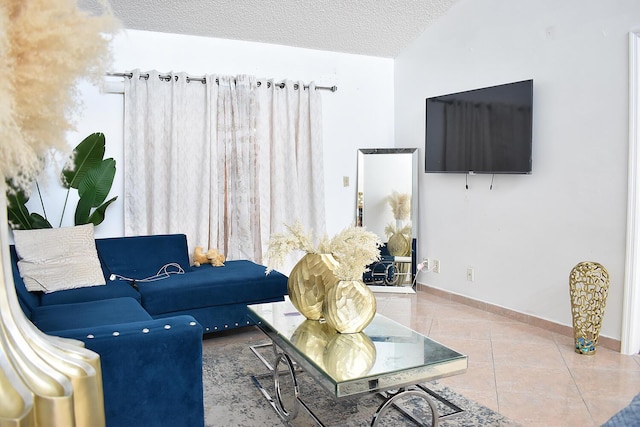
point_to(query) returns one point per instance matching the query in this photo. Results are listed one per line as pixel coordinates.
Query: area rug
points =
(232, 399)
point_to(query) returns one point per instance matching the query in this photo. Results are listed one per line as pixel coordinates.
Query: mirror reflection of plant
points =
(391, 229)
(85, 171)
(400, 204)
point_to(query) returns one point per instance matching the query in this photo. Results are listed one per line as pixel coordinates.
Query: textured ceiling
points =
(367, 27)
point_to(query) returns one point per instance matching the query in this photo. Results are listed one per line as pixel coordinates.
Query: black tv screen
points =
(485, 130)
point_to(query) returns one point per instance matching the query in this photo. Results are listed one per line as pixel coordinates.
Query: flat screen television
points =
(486, 130)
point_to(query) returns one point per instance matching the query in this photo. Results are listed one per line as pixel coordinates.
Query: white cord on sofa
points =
(163, 273)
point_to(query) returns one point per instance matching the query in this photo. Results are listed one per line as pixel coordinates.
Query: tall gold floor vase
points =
(307, 283)
(349, 306)
(44, 381)
(588, 287)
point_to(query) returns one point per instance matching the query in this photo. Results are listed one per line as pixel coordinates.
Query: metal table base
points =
(389, 397)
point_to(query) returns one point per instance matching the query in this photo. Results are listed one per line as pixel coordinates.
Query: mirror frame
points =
(362, 153)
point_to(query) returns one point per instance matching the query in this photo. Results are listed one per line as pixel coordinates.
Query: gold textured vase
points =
(349, 306)
(588, 287)
(307, 283)
(399, 245)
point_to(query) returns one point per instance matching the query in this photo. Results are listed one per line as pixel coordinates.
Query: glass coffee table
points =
(387, 358)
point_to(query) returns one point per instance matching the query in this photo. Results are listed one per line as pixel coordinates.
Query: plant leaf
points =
(17, 211)
(86, 156)
(82, 211)
(96, 184)
(38, 221)
(93, 190)
(98, 215)
(18, 214)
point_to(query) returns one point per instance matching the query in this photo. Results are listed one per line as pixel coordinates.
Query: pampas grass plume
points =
(45, 47)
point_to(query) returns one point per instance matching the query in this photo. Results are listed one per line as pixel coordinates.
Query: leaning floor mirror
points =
(387, 205)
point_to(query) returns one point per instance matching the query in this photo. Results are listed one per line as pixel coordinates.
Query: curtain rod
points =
(203, 80)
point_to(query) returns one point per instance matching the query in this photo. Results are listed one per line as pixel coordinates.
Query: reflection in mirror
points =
(387, 205)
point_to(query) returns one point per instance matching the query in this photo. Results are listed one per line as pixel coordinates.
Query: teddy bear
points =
(212, 256)
(215, 258)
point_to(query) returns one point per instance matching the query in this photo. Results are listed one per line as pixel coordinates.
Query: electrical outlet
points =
(436, 266)
(426, 264)
(471, 274)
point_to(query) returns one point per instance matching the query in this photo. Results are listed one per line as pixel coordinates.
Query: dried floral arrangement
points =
(45, 47)
(400, 204)
(391, 229)
(354, 248)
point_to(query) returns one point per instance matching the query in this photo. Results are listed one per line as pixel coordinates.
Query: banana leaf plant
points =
(86, 171)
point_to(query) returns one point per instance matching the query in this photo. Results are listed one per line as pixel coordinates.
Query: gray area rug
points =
(232, 399)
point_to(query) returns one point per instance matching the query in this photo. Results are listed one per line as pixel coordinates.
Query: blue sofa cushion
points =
(142, 256)
(113, 289)
(239, 281)
(52, 318)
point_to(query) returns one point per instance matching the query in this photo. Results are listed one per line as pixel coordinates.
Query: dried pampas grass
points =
(400, 205)
(45, 47)
(354, 248)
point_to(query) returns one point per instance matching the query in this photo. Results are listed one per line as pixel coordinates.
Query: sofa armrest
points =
(151, 371)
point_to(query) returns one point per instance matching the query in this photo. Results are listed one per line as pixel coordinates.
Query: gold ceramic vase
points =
(307, 283)
(349, 306)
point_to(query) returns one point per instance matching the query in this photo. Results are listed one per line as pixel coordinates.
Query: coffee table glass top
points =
(385, 355)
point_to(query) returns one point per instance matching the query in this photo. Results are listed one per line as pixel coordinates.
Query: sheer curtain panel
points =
(226, 163)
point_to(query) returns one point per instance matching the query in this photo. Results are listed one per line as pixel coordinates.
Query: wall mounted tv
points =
(486, 130)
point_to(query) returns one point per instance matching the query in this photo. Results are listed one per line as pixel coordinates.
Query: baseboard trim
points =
(558, 328)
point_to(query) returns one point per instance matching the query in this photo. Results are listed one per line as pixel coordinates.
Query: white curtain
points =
(227, 164)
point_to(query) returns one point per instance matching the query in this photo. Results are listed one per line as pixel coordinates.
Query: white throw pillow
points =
(54, 259)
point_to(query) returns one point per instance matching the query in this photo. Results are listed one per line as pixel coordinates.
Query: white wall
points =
(524, 236)
(359, 114)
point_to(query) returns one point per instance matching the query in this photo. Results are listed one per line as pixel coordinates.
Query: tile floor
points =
(526, 373)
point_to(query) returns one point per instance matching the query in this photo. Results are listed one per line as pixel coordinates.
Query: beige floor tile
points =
(545, 410)
(460, 328)
(479, 377)
(525, 372)
(536, 381)
(543, 355)
(594, 383)
(520, 333)
(602, 407)
(602, 359)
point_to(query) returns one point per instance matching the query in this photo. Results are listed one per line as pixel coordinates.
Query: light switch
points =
(345, 181)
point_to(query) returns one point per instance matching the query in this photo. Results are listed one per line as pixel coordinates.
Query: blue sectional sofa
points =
(149, 333)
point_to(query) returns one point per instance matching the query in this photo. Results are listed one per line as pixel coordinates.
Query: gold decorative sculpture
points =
(307, 283)
(44, 47)
(589, 287)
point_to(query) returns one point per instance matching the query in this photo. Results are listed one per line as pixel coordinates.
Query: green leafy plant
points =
(86, 171)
